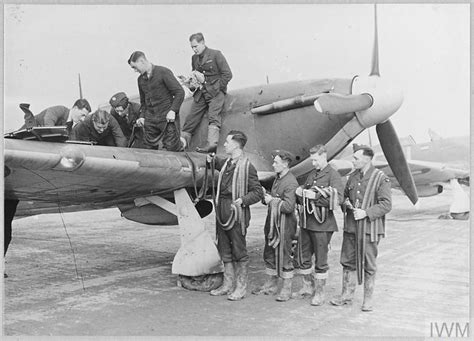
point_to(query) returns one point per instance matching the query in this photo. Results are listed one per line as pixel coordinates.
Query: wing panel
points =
(81, 174)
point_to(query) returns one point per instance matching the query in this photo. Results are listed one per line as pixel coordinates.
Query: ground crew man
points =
(59, 115)
(161, 96)
(125, 112)
(211, 68)
(367, 199)
(280, 228)
(317, 199)
(100, 128)
(237, 188)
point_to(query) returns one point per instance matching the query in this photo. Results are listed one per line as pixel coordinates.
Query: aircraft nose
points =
(372, 99)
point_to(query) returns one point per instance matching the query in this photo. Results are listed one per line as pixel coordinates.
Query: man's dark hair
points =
(368, 152)
(82, 104)
(101, 116)
(196, 36)
(318, 149)
(238, 136)
(135, 55)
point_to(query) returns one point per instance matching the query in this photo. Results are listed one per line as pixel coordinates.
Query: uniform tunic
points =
(112, 136)
(127, 121)
(316, 236)
(160, 93)
(355, 190)
(51, 117)
(231, 244)
(283, 188)
(217, 74)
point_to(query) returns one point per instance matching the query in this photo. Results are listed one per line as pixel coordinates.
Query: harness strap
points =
(276, 235)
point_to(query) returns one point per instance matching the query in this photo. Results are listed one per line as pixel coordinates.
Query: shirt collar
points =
(281, 177)
(323, 170)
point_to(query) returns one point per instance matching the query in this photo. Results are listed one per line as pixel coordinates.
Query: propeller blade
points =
(80, 86)
(396, 159)
(375, 51)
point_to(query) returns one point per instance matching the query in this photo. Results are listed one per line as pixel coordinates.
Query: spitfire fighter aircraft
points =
(158, 187)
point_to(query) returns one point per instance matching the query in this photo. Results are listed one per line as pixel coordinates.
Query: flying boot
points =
(348, 288)
(242, 279)
(307, 289)
(369, 282)
(269, 287)
(228, 282)
(285, 292)
(318, 298)
(212, 140)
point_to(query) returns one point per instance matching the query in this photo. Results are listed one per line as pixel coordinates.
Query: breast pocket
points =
(209, 66)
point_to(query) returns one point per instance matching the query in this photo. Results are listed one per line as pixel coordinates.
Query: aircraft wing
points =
(87, 177)
(425, 172)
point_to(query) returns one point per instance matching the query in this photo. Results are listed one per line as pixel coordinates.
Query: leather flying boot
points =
(318, 298)
(285, 292)
(268, 288)
(228, 282)
(307, 289)
(369, 282)
(348, 288)
(212, 140)
(242, 279)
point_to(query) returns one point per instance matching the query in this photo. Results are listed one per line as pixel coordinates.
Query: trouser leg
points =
(152, 132)
(216, 105)
(320, 241)
(194, 118)
(306, 266)
(371, 251)
(171, 138)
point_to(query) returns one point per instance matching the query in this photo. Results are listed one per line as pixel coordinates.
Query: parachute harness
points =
(276, 235)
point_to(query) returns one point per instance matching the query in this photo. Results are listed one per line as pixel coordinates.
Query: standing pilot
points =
(237, 188)
(214, 74)
(318, 198)
(368, 198)
(280, 228)
(161, 96)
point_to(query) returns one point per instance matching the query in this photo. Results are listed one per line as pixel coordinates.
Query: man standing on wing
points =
(211, 69)
(161, 96)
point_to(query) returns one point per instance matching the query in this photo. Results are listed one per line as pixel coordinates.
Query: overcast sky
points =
(423, 48)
